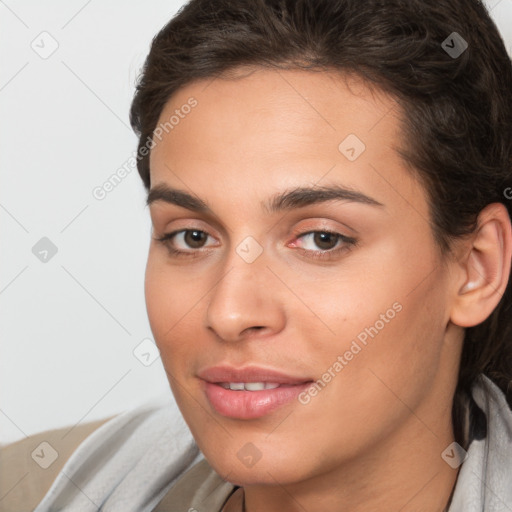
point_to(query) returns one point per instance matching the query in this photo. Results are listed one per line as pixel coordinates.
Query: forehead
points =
(295, 103)
(274, 129)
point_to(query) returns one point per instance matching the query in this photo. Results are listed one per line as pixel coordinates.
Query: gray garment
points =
(126, 465)
(147, 456)
(484, 483)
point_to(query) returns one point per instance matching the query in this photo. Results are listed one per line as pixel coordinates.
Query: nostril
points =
(256, 327)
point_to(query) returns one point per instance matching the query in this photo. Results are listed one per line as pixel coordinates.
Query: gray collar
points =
(484, 483)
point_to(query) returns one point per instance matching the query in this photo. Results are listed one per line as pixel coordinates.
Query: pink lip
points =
(217, 374)
(249, 404)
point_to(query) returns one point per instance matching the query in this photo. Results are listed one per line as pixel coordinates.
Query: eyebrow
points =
(288, 200)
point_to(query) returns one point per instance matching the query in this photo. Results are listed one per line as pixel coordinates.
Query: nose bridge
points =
(243, 297)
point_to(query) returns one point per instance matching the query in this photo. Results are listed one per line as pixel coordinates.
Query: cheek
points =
(389, 325)
(166, 300)
(377, 383)
(174, 304)
(359, 301)
(396, 361)
(158, 299)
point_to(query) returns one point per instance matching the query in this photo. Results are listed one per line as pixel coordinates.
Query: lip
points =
(250, 404)
(217, 374)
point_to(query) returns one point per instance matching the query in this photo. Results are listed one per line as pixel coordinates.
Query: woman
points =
(328, 277)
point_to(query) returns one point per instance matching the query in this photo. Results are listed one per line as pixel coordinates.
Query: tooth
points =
(254, 386)
(248, 386)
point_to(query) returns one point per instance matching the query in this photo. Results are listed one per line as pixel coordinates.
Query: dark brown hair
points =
(457, 125)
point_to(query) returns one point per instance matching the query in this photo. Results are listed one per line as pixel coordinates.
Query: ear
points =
(484, 268)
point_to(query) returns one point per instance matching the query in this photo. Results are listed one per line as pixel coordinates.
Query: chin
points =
(262, 472)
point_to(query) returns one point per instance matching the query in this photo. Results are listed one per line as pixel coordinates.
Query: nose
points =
(246, 301)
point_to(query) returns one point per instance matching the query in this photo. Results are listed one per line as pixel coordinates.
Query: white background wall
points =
(69, 325)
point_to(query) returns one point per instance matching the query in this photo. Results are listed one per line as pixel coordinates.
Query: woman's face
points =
(353, 325)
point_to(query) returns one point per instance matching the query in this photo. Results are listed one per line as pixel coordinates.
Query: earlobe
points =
(486, 267)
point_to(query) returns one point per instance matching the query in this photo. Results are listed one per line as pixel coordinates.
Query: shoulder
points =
(128, 463)
(29, 467)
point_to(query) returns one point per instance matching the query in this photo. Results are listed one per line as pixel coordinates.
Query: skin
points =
(372, 438)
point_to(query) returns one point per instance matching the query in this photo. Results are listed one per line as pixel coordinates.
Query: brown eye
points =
(194, 238)
(185, 242)
(322, 240)
(324, 245)
(325, 240)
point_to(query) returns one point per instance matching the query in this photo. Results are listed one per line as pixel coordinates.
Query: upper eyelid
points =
(225, 230)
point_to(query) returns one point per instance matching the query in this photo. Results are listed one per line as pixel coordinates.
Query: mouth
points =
(250, 392)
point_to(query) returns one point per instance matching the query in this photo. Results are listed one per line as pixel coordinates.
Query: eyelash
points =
(326, 254)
